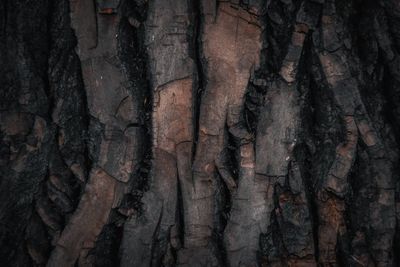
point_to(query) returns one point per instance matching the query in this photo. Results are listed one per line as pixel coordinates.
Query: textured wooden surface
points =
(199, 133)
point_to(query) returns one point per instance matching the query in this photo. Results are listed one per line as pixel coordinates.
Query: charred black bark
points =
(199, 133)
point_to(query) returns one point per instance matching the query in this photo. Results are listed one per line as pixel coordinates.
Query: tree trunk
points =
(200, 133)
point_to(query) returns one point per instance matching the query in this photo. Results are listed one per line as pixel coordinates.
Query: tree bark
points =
(200, 133)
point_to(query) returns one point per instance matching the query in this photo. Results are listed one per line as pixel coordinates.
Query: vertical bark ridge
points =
(334, 186)
(335, 58)
(152, 236)
(231, 48)
(277, 169)
(117, 152)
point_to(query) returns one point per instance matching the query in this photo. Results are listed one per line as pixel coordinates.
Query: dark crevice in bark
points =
(310, 120)
(391, 105)
(106, 251)
(200, 81)
(223, 204)
(133, 56)
(324, 133)
(306, 150)
(181, 220)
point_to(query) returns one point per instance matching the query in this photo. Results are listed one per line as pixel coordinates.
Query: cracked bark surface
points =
(199, 133)
(152, 237)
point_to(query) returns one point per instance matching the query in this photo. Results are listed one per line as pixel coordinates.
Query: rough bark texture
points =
(199, 133)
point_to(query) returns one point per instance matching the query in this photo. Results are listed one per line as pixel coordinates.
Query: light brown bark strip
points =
(113, 107)
(82, 230)
(231, 48)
